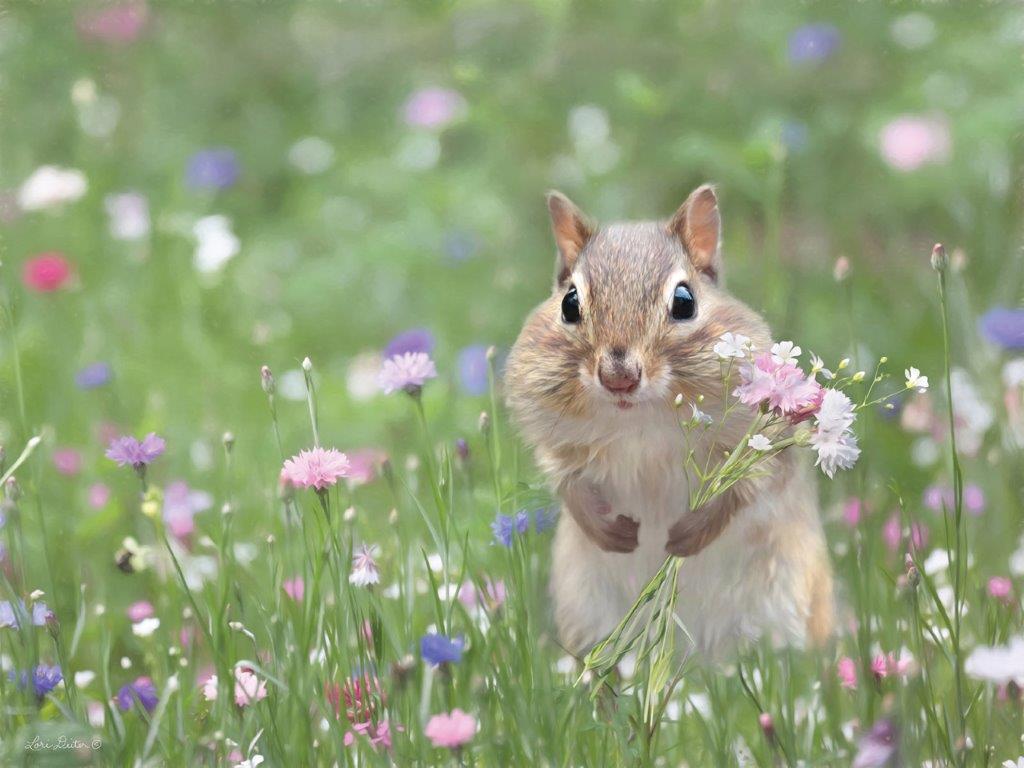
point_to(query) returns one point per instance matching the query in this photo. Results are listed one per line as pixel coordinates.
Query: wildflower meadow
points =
(261, 266)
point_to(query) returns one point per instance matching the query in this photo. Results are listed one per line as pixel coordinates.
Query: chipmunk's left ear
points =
(699, 227)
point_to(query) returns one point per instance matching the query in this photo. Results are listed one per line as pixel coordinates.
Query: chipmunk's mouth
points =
(623, 405)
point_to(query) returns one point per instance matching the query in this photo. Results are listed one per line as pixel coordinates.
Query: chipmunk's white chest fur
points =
(746, 582)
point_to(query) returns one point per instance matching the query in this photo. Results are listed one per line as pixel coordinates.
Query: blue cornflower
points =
(1003, 327)
(9, 616)
(813, 43)
(93, 376)
(44, 679)
(506, 526)
(473, 369)
(214, 168)
(142, 690)
(413, 340)
(437, 649)
(545, 519)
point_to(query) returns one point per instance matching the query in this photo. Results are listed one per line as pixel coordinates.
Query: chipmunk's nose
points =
(618, 372)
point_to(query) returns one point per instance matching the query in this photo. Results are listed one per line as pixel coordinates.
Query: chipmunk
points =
(592, 383)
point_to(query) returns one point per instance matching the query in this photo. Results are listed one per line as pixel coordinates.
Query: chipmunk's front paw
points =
(617, 535)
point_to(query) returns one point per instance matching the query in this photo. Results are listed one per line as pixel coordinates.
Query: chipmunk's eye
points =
(571, 306)
(684, 306)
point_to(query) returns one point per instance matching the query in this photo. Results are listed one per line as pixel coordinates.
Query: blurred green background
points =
(381, 167)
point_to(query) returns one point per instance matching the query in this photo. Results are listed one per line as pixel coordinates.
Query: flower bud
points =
(858, 376)
(228, 439)
(491, 352)
(12, 490)
(913, 576)
(939, 258)
(485, 422)
(841, 269)
(307, 365)
(767, 725)
(267, 380)
(679, 400)
(843, 363)
(462, 449)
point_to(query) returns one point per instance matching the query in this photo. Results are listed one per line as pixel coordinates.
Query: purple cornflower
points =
(44, 679)
(181, 504)
(437, 649)
(9, 616)
(1004, 327)
(433, 107)
(127, 451)
(813, 43)
(93, 376)
(413, 340)
(213, 168)
(506, 526)
(142, 690)
(545, 519)
(877, 748)
(473, 369)
(408, 372)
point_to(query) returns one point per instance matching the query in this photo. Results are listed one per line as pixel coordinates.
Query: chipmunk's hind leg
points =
(587, 599)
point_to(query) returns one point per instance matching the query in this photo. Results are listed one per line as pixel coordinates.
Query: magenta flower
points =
(433, 107)
(140, 610)
(407, 372)
(846, 669)
(451, 730)
(911, 141)
(127, 451)
(294, 588)
(1000, 588)
(852, 511)
(317, 468)
(68, 461)
(181, 504)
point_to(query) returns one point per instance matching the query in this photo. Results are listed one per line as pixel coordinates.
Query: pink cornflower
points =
(68, 461)
(47, 272)
(451, 730)
(408, 372)
(317, 468)
(140, 610)
(127, 451)
(492, 595)
(363, 465)
(364, 567)
(892, 534)
(782, 386)
(295, 588)
(99, 495)
(248, 687)
(1000, 588)
(852, 511)
(846, 669)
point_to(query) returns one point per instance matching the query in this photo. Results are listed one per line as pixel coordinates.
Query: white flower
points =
(50, 186)
(1000, 665)
(210, 688)
(1013, 372)
(1019, 763)
(252, 762)
(836, 450)
(216, 244)
(364, 568)
(84, 677)
(915, 380)
(836, 412)
(785, 353)
(818, 366)
(732, 345)
(408, 372)
(311, 155)
(146, 627)
(129, 215)
(760, 443)
(699, 417)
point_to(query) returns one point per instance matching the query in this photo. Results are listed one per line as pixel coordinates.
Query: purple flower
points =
(813, 43)
(413, 340)
(877, 748)
(506, 526)
(408, 372)
(181, 504)
(9, 616)
(460, 246)
(93, 376)
(1004, 327)
(140, 690)
(117, 24)
(473, 369)
(44, 679)
(127, 451)
(433, 107)
(940, 497)
(461, 450)
(437, 649)
(545, 519)
(214, 168)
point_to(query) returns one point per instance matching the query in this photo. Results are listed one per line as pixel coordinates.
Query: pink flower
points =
(317, 468)
(852, 511)
(140, 610)
(892, 533)
(68, 461)
(846, 669)
(408, 371)
(364, 568)
(295, 588)
(248, 687)
(492, 596)
(99, 495)
(879, 668)
(363, 465)
(115, 24)
(47, 272)
(433, 107)
(451, 730)
(782, 386)
(1000, 588)
(910, 141)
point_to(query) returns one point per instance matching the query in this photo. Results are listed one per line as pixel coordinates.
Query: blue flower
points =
(505, 526)
(545, 519)
(813, 43)
(214, 168)
(438, 649)
(473, 369)
(44, 679)
(141, 690)
(460, 246)
(413, 340)
(9, 616)
(1004, 327)
(93, 376)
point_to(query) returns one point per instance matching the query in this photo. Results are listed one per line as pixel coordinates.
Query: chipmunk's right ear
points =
(572, 230)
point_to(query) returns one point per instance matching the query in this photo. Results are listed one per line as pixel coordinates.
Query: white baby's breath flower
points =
(760, 443)
(785, 352)
(732, 345)
(818, 366)
(915, 380)
(146, 627)
(216, 244)
(50, 186)
(999, 665)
